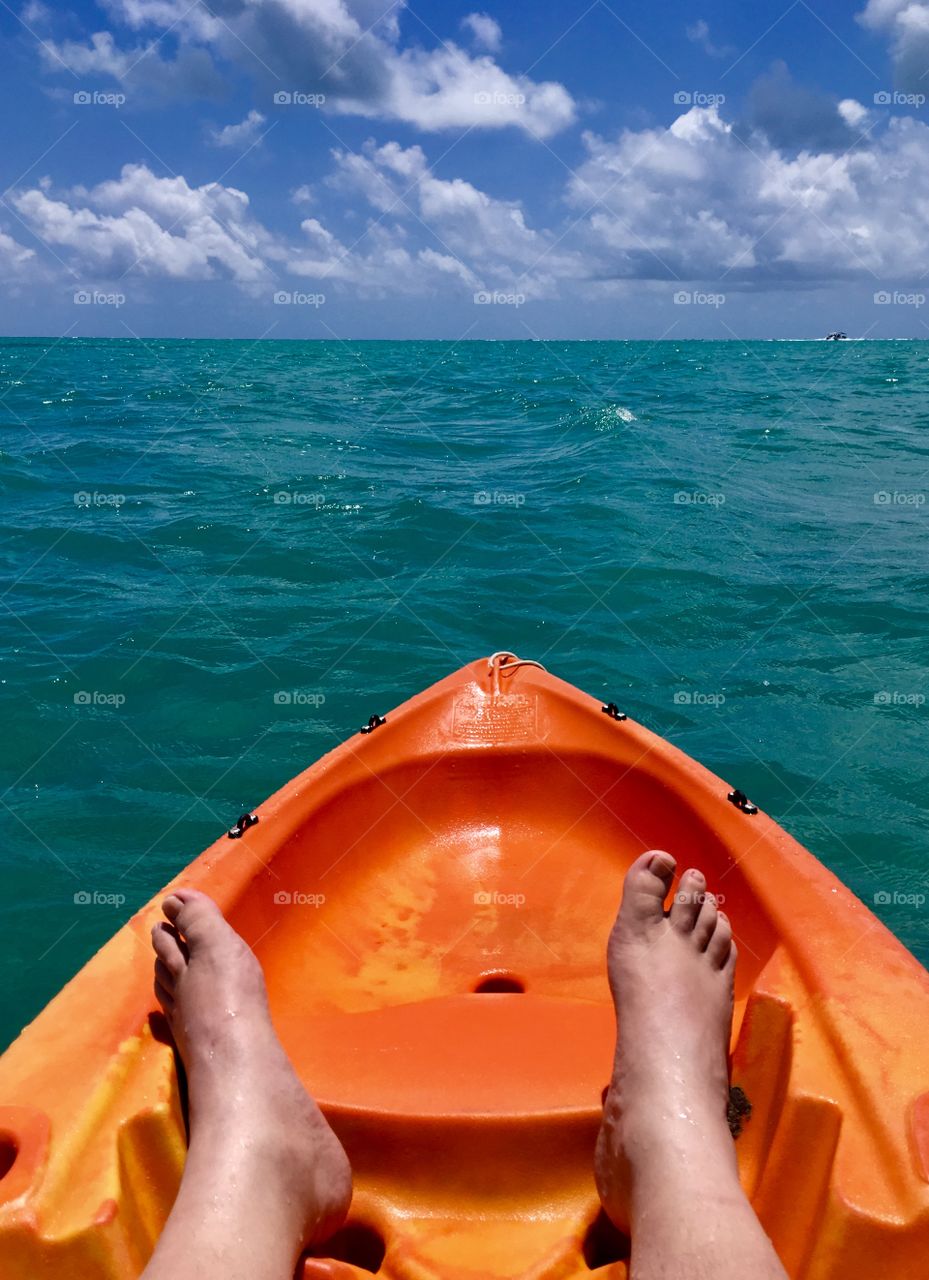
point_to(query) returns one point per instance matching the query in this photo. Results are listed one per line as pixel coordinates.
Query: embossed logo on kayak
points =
(510, 717)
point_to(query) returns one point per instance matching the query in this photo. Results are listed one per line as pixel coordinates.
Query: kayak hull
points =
(430, 903)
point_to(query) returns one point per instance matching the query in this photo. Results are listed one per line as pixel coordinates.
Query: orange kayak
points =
(430, 903)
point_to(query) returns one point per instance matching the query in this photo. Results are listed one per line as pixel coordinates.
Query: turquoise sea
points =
(726, 538)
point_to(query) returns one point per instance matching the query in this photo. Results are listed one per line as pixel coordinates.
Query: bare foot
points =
(665, 1161)
(253, 1125)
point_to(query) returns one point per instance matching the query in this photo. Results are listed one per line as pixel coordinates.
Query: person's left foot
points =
(247, 1107)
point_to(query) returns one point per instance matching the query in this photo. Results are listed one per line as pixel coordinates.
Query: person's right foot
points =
(250, 1117)
(672, 982)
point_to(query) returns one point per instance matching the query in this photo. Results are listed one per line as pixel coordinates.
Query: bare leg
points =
(665, 1161)
(265, 1175)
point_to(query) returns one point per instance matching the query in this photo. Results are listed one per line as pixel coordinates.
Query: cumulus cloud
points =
(490, 235)
(341, 49)
(382, 265)
(485, 30)
(243, 135)
(692, 203)
(14, 257)
(151, 226)
(906, 22)
(142, 70)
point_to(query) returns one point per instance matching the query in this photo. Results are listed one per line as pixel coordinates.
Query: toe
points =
(705, 925)
(169, 949)
(646, 887)
(720, 945)
(688, 900)
(164, 996)
(195, 916)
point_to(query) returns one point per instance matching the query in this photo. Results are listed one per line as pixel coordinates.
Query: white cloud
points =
(906, 22)
(13, 257)
(699, 33)
(490, 235)
(339, 48)
(243, 135)
(484, 29)
(142, 70)
(691, 202)
(382, 266)
(853, 113)
(152, 226)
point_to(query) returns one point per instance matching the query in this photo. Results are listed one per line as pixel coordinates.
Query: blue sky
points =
(360, 169)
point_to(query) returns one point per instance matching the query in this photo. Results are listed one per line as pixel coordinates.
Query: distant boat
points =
(834, 337)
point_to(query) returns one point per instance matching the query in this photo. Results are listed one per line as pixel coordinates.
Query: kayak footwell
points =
(430, 904)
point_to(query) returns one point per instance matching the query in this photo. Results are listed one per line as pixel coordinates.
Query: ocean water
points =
(726, 538)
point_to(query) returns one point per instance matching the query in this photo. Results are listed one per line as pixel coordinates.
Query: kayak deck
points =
(430, 903)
